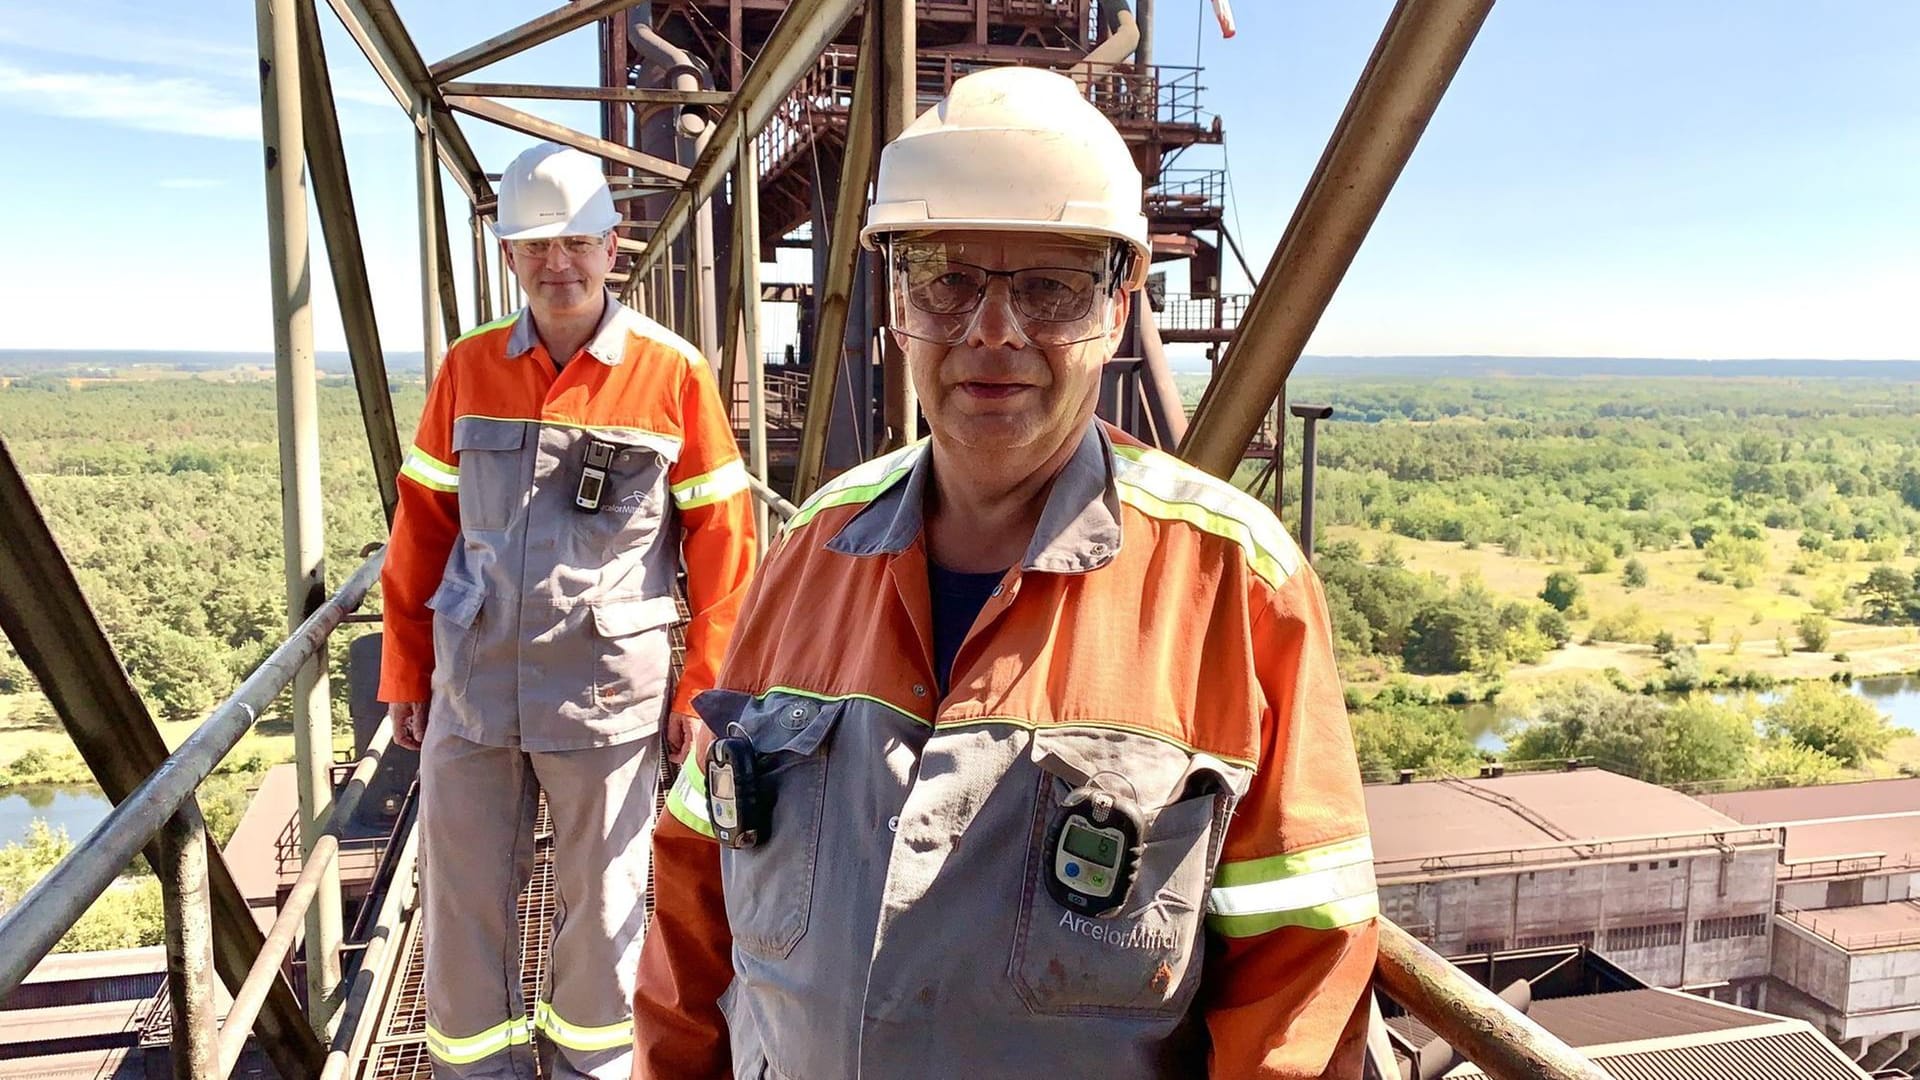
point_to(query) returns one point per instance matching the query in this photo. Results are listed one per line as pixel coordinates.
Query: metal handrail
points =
(378, 959)
(772, 498)
(287, 926)
(1581, 849)
(51, 907)
(1184, 311)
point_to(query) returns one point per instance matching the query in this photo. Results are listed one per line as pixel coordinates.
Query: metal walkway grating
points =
(399, 1050)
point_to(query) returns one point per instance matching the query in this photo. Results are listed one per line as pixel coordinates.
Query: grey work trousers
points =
(478, 808)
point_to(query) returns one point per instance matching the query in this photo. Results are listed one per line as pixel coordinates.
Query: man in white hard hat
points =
(1069, 790)
(568, 459)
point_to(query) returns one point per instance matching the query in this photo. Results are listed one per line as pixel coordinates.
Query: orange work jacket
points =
(1162, 638)
(525, 620)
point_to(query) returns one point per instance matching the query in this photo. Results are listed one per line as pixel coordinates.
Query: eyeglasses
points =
(573, 245)
(936, 296)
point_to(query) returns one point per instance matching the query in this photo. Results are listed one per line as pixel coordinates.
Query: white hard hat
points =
(1012, 149)
(553, 190)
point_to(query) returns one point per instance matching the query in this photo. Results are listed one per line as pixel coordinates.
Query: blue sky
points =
(1605, 177)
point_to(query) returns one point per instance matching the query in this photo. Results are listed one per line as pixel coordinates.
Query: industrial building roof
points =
(1865, 926)
(1442, 817)
(1622, 1016)
(1668, 1035)
(1898, 839)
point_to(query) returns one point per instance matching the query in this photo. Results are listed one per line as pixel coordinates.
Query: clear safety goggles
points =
(574, 246)
(937, 294)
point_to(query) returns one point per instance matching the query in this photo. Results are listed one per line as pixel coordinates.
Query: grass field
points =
(271, 742)
(1676, 599)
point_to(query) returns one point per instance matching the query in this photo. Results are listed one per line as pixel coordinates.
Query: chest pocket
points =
(769, 888)
(624, 537)
(1144, 958)
(635, 497)
(495, 473)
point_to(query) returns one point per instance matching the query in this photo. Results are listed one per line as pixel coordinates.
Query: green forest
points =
(1612, 560)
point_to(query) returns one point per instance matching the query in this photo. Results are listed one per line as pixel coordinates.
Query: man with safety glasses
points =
(569, 458)
(1029, 756)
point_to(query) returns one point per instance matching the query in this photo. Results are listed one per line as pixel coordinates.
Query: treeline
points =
(1806, 736)
(1567, 469)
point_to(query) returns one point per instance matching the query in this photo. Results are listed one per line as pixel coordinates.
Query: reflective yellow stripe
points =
(576, 1037)
(687, 800)
(515, 1032)
(1162, 486)
(496, 324)
(1275, 867)
(1328, 916)
(1321, 888)
(709, 488)
(862, 483)
(430, 471)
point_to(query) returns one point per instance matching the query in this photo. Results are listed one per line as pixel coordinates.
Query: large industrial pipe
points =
(1123, 35)
(1438, 1057)
(682, 72)
(1164, 408)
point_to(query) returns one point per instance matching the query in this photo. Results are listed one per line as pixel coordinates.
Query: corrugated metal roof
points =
(1623, 1016)
(1785, 1051)
(1668, 1035)
(1789, 1055)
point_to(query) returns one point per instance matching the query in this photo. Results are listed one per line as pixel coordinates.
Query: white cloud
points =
(178, 105)
(130, 34)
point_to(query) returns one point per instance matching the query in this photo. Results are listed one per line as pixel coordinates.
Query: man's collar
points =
(607, 345)
(1079, 527)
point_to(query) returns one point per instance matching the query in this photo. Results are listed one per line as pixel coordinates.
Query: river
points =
(1898, 696)
(75, 807)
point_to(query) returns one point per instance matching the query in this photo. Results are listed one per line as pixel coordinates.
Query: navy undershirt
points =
(957, 600)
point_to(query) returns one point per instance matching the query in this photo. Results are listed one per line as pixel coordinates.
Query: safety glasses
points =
(937, 294)
(574, 246)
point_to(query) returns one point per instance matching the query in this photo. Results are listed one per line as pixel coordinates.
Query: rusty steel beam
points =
(1415, 59)
(652, 95)
(1485, 1030)
(540, 28)
(443, 265)
(333, 195)
(807, 27)
(383, 39)
(746, 224)
(835, 295)
(482, 291)
(895, 103)
(541, 128)
(53, 629)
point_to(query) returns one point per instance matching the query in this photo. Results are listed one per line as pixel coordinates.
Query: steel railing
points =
(44, 915)
(1181, 191)
(1156, 96)
(1184, 311)
(1582, 850)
